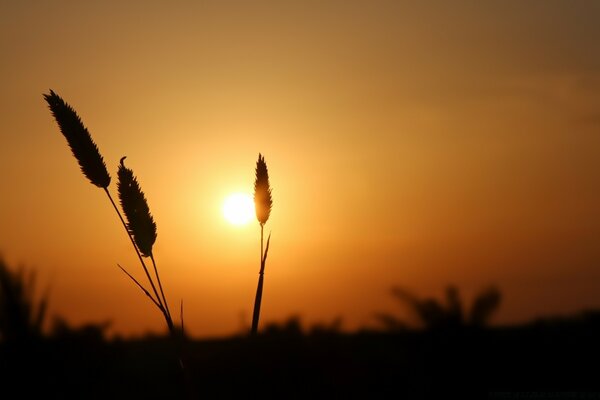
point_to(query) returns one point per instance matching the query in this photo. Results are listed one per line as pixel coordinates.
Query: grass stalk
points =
(263, 203)
(156, 300)
(147, 293)
(136, 217)
(164, 299)
(259, 288)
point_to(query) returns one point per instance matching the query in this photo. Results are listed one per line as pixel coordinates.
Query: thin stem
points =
(161, 304)
(158, 300)
(140, 286)
(167, 312)
(259, 288)
(181, 318)
(257, 301)
(261, 247)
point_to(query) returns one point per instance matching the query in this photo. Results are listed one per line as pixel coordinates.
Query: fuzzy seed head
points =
(263, 202)
(135, 207)
(82, 146)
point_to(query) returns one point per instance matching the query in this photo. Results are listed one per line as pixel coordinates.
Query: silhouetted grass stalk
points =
(142, 230)
(263, 203)
(140, 226)
(156, 301)
(162, 293)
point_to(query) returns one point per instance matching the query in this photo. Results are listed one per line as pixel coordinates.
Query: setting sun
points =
(238, 208)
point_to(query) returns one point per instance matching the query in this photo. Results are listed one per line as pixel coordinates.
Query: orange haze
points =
(411, 144)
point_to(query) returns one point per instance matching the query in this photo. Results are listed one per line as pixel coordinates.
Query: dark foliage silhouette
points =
(484, 307)
(548, 354)
(263, 203)
(430, 313)
(90, 332)
(22, 314)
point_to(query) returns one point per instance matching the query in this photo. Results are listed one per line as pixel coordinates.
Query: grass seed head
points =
(135, 207)
(82, 146)
(263, 202)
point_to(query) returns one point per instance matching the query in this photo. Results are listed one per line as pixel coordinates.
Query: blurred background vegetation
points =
(446, 347)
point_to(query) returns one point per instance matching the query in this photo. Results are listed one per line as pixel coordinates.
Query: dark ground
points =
(557, 358)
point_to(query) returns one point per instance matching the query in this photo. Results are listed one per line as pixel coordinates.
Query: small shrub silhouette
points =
(432, 314)
(21, 315)
(484, 306)
(263, 203)
(90, 332)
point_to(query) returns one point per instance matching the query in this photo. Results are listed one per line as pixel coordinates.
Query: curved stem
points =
(159, 301)
(140, 286)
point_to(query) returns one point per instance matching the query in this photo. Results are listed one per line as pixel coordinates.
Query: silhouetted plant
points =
(90, 332)
(327, 329)
(140, 226)
(82, 146)
(21, 314)
(484, 306)
(433, 314)
(263, 202)
(391, 322)
(291, 327)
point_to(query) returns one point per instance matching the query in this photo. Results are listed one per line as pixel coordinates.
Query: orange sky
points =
(412, 145)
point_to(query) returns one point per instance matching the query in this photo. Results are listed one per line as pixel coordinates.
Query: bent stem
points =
(259, 288)
(139, 285)
(156, 300)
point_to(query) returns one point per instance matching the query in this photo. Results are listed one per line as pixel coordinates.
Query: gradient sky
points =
(416, 144)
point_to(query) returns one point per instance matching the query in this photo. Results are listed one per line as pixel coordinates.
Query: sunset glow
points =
(416, 144)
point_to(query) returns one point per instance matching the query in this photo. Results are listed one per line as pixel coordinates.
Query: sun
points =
(238, 208)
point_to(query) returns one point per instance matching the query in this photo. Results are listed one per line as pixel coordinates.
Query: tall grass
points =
(140, 226)
(263, 203)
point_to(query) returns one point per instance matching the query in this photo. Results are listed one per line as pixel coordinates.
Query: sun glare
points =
(238, 208)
